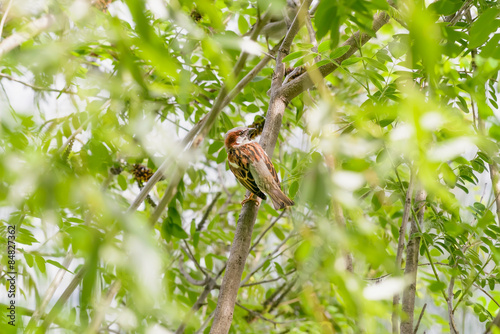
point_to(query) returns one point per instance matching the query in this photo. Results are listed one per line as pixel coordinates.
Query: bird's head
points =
(239, 136)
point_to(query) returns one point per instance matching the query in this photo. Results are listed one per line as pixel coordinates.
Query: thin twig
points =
(420, 318)
(487, 294)
(51, 289)
(259, 238)
(101, 309)
(267, 319)
(205, 323)
(201, 224)
(472, 282)
(190, 254)
(64, 297)
(245, 280)
(269, 280)
(188, 277)
(4, 17)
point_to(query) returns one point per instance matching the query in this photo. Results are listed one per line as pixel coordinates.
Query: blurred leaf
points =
(483, 27)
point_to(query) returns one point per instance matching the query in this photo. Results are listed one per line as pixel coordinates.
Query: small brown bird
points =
(252, 167)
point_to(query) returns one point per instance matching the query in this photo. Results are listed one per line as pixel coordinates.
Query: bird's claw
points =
(250, 198)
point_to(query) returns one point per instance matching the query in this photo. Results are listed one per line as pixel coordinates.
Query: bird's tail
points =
(280, 200)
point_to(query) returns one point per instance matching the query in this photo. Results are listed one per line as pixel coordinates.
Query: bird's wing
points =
(246, 179)
(262, 167)
(243, 173)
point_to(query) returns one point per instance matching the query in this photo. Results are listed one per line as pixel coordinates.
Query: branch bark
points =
(30, 30)
(408, 304)
(399, 254)
(303, 82)
(495, 183)
(449, 302)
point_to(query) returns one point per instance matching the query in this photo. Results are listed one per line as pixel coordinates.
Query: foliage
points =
(93, 103)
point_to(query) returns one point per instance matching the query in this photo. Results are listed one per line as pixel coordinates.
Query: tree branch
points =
(449, 302)
(408, 304)
(50, 291)
(419, 319)
(199, 302)
(242, 239)
(64, 297)
(399, 253)
(30, 30)
(304, 82)
(101, 309)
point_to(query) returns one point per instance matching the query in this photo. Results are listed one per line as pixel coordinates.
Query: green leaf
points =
(305, 59)
(122, 182)
(449, 176)
(58, 265)
(350, 61)
(209, 261)
(324, 46)
(177, 231)
(242, 24)
(436, 286)
(397, 49)
(279, 269)
(174, 216)
(494, 132)
(221, 157)
(277, 231)
(29, 259)
(339, 52)
(481, 29)
(445, 7)
(40, 263)
(294, 187)
(295, 55)
(215, 146)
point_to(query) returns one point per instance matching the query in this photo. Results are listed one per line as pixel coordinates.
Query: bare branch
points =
(304, 82)
(190, 254)
(51, 290)
(420, 318)
(259, 238)
(199, 302)
(64, 297)
(4, 17)
(201, 224)
(101, 309)
(188, 277)
(269, 257)
(268, 281)
(30, 30)
(487, 294)
(257, 314)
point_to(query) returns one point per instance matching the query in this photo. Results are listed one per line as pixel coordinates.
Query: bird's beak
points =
(251, 132)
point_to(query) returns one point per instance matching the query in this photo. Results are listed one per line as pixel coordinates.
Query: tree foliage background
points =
(391, 157)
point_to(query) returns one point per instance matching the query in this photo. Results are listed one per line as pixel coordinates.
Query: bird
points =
(252, 167)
